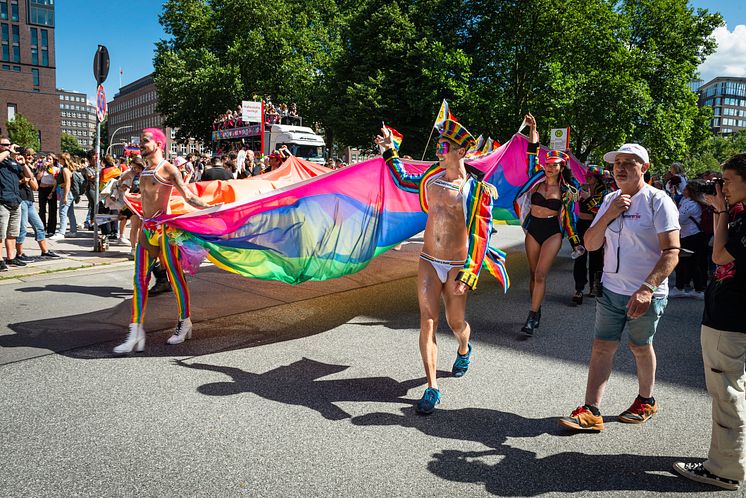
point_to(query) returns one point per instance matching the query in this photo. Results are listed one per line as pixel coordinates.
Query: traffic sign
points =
(559, 139)
(101, 103)
(101, 64)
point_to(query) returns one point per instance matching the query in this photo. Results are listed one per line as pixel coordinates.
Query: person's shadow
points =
(519, 472)
(298, 384)
(67, 289)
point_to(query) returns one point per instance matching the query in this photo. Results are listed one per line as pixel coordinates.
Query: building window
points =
(12, 109)
(3, 10)
(6, 42)
(34, 46)
(35, 76)
(14, 10)
(16, 43)
(41, 12)
(44, 47)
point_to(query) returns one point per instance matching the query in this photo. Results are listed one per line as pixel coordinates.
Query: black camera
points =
(707, 187)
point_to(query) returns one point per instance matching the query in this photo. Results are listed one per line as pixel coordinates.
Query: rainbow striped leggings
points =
(169, 255)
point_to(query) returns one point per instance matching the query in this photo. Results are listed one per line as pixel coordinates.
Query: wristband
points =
(650, 286)
(720, 212)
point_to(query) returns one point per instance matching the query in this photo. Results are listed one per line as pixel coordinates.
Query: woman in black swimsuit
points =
(551, 199)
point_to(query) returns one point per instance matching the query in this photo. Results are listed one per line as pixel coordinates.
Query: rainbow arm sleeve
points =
(405, 181)
(532, 159)
(479, 226)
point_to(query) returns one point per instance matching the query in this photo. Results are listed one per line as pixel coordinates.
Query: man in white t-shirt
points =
(638, 226)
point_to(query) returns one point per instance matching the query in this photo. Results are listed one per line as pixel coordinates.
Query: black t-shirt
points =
(216, 173)
(26, 193)
(725, 297)
(10, 173)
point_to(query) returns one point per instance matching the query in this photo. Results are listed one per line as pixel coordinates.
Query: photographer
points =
(10, 200)
(723, 335)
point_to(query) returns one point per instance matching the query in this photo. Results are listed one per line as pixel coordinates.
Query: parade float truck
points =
(302, 141)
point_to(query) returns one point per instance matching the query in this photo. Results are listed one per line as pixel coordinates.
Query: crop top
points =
(537, 199)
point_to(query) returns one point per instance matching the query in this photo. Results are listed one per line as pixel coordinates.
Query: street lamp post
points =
(111, 138)
(108, 149)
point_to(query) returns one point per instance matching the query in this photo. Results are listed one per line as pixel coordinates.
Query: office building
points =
(132, 110)
(727, 97)
(78, 117)
(27, 68)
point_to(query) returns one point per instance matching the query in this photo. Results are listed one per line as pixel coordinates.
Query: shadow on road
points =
(299, 384)
(565, 332)
(98, 291)
(509, 471)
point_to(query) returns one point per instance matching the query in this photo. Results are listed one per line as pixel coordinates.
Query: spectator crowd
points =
(273, 114)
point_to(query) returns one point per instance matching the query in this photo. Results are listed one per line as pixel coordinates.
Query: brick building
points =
(27, 68)
(133, 109)
(78, 117)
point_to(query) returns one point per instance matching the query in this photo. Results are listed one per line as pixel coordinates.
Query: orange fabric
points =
(293, 170)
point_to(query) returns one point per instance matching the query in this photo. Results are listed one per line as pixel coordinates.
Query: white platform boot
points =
(135, 340)
(183, 332)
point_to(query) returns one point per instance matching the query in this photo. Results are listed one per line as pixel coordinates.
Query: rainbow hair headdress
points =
(455, 132)
(556, 156)
(599, 171)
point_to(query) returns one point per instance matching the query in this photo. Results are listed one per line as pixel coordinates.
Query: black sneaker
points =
(698, 472)
(3, 266)
(25, 259)
(49, 255)
(16, 262)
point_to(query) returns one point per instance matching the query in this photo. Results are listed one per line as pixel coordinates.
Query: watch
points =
(650, 286)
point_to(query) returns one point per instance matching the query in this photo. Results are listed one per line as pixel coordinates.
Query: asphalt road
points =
(310, 391)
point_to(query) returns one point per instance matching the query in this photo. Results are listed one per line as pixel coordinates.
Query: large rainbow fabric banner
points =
(330, 225)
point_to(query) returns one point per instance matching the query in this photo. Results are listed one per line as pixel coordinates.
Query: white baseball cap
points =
(635, 149)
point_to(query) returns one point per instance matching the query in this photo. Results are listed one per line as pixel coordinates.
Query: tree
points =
(69, 143)
(394, 69)
(613, 70)
(22, 132)
(668, 41)
(224, 51)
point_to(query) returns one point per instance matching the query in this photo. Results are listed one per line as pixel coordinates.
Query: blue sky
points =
(131, 28)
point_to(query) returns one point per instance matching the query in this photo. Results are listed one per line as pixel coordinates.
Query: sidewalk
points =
(77, 252)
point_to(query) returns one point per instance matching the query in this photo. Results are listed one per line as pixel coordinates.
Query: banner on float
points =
(251, 112)
(243, 132)
(560, 139)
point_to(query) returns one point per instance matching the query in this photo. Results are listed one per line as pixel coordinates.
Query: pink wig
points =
(157, 135)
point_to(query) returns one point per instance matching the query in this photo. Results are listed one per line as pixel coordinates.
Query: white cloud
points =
(730, 57)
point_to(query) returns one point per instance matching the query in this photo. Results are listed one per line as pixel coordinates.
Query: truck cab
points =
(300, 140)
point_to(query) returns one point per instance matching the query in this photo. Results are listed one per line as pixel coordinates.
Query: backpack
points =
(78, 186)
(705, 225)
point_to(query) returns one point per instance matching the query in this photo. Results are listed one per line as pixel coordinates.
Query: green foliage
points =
(22, 132)
(224, 51)
(613, 70)
(69, 143)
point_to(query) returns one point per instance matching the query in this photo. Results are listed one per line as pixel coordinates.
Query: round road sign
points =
(101, 103)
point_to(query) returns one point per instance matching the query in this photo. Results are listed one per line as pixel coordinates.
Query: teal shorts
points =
(611, 318)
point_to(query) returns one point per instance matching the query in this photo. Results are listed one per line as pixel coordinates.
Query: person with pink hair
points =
(157, 181)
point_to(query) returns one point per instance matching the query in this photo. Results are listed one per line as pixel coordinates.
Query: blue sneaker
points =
(427, 404)
(461, 365)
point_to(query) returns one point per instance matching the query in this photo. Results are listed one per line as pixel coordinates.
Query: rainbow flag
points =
(331, 225)
(443, 115)
(396, 137)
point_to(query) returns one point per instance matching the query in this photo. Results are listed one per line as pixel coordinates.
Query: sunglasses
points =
(442, 148)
